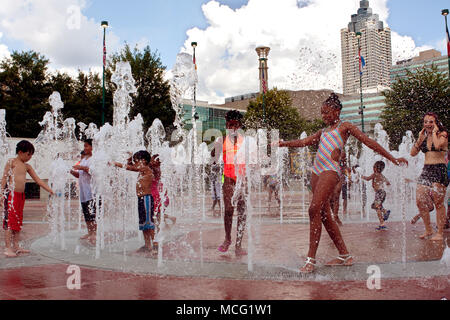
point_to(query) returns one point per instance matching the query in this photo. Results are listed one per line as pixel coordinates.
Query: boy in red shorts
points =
(13, 195)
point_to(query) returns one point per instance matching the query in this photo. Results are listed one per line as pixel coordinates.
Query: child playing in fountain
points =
(81, 171)
(14, 176)
(378, 180)
(157, 188)
(325, 177)
(273, 187)
(141, 163)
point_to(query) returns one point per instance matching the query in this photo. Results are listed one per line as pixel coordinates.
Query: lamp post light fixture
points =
(104, 25)
(361, 108)
(445, 14)
(263, 54)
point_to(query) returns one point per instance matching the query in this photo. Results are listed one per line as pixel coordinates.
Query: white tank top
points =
(84, 182)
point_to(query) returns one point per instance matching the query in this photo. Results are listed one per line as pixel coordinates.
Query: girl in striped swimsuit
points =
(326, 175)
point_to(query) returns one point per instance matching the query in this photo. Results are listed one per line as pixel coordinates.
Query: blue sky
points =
(305, 39)
(162, 22)
(165, 22)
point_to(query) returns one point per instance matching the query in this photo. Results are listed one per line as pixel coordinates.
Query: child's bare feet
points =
(9, 253)
(92, 240)
(143, 249)
(415, 219)
(21, 250)
(240, 252)
(437, 237)
(426, 235)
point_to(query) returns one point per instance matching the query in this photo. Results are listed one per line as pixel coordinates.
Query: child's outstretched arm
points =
(309, 141)
(367, 178)
(372, 144)
(127, 166)
(35, 177)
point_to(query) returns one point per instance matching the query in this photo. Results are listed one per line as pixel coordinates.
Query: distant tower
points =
(263, 53)
(376, 49)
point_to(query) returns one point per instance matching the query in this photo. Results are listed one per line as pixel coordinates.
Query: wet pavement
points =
(190, 267)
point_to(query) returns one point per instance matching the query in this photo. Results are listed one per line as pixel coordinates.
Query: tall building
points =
(375, 42)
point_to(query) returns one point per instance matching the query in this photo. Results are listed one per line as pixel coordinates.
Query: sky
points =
(304, 36)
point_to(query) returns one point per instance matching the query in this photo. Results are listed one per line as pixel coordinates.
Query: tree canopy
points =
(279, 114)
(24, 90)
(410, 98)
(152, 99)
(26, 84)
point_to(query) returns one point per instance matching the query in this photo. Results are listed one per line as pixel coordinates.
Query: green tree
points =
(279, 114)
(410, 98)
(152, 99)
(24, 92)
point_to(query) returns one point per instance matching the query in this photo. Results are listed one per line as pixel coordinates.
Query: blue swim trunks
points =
(146, 213)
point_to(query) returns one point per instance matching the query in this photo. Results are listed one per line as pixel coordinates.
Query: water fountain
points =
(4, 146)
(189, 247)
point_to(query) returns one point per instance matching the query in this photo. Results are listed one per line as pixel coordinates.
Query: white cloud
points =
(304, 37)
(4, 52)
(58, 30)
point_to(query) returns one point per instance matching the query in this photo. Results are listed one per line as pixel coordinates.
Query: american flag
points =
(195, 61)
(362, 62)
(263, 76)
(104, 53)
(448, 41)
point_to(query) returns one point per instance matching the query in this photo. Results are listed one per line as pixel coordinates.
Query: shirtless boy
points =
(13, 196)
(378, 180)
(141, 164)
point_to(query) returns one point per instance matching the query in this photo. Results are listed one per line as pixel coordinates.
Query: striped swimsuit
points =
(329, 141)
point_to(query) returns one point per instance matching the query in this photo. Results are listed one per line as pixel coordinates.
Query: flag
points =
(448, 41)
(362, 63)
(195, 61)
(263, 76)
(104, 53)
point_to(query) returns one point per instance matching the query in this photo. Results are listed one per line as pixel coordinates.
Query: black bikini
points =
(424, 147)
(433, 173)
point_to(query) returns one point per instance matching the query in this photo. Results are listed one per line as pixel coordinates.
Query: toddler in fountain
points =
(141, 163)
(378, 179)
(15, 176)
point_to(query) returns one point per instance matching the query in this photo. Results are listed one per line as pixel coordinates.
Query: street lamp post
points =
(104, 26)
(361, 109)
(194, 107)
(445, 14)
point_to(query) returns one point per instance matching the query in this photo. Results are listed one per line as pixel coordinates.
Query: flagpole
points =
(361, 112)
(445, 14)
(104, 25)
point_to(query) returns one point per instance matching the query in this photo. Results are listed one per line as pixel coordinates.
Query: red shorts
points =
(14, 204)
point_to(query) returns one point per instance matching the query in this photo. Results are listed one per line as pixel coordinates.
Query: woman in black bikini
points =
(433, 182)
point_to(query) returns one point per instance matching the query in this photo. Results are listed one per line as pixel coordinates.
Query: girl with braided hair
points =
(326, 175)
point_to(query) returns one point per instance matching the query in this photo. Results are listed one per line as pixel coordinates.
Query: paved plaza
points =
(189, 267)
